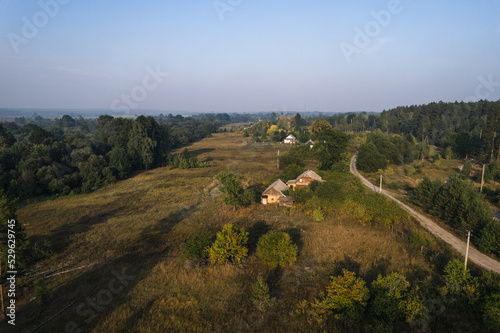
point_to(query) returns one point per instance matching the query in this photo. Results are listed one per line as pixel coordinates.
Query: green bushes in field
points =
(345, 300)
(277, 249)
(185, 161)
(261, 298)
(196, 247)
(230, 244)
(410, 170)
(344, 194)
(234, 193)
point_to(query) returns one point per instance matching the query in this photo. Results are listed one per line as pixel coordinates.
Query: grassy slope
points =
(139, 224)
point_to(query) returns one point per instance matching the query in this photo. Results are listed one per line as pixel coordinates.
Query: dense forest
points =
(40, 157)
(469, 129)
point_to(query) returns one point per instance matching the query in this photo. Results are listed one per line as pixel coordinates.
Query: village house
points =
(290, 139)
(310, 143)
(304, 179)
(274, 193)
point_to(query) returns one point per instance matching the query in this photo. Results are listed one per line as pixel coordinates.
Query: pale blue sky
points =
(264, 55)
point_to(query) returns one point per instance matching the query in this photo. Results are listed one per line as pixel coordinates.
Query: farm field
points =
(118, 250)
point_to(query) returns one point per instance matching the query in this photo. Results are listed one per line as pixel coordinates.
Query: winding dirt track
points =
(475, 256)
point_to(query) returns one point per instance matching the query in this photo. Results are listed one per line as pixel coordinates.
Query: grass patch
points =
(138, 226)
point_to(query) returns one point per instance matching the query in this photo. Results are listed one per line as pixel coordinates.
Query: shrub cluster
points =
(277, 249)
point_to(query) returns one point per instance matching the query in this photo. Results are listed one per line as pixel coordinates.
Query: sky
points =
(247, 56)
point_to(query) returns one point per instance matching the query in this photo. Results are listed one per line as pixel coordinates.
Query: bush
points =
(230, 244)
(466, 169)
(292, 171)
(393, 186)
(410, 170)
(292, 157)
(234, 194)
(40, 291)
(318, 214)
(301, 195)
(277, 249)
(417, 240)
(196, 248)
(491, 312)
(347, 296)
(260, 295)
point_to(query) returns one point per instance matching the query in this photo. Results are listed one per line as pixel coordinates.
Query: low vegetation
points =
(230, 244)
(277, 249)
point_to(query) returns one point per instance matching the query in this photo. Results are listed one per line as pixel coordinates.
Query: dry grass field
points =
(123, 244)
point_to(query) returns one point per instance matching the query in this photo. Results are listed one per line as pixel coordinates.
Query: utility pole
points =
(278, 158)
(467, 251)
(380, 183)
(482, 180)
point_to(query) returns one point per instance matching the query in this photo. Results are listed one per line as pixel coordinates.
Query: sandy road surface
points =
(474, 255)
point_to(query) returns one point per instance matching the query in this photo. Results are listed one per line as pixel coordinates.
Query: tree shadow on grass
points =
(85, 300)
(379, 267)
(257, 190)
(153, 234)
(62, 236)
(256, 231)
(198, 152)
(349, 264)
(273, 281)
(89, 296)
(296, 236)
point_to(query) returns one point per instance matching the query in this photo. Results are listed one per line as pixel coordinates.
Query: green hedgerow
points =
(277, 249)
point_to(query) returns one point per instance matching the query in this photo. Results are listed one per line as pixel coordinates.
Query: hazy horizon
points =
(228, 56)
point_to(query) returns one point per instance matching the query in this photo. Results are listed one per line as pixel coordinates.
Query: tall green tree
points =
(141, 148)
(347, 297)
(387, 299)
(22, 248)
(234, 194)
(298, 122)
(331, 150)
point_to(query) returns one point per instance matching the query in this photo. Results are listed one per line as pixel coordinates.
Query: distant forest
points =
(470, 129)
(42, 157)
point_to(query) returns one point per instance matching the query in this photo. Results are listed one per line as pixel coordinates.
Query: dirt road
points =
(474, 255)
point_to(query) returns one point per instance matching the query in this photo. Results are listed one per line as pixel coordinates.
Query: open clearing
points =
(127, 237)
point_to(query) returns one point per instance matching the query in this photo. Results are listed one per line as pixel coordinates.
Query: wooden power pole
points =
(278, 158)
(380, 183)
(467, 251)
